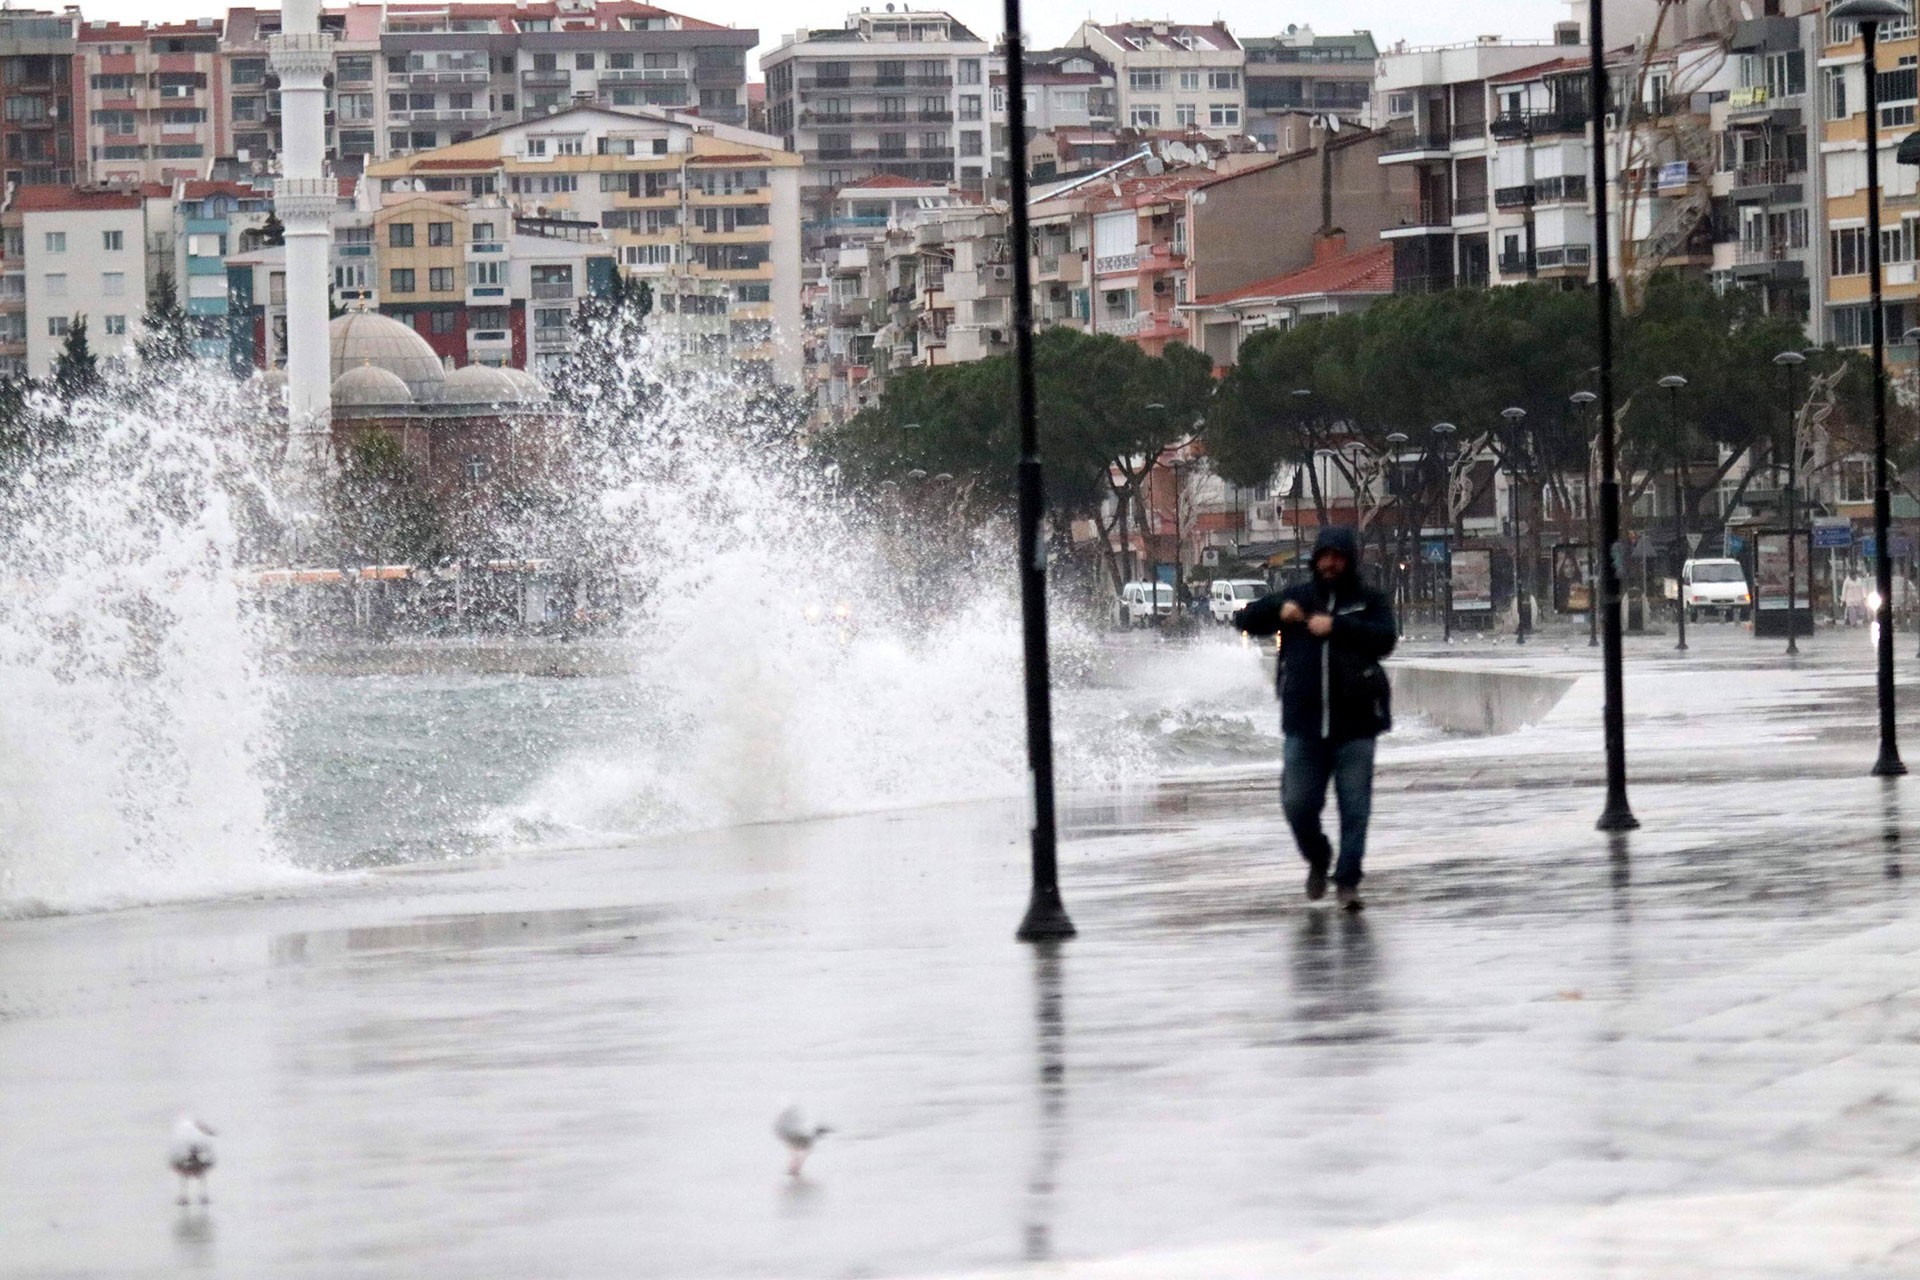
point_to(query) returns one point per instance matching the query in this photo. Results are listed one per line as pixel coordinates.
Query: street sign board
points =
(1433, 551)
(1472, 581)
(1770, 573)
(1832, 533)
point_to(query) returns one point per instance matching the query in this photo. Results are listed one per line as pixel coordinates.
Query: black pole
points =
(1583, 399)
(1046, 915)
(1888, 764)
(1617, 815)
(1793, 520)
(1679, 553)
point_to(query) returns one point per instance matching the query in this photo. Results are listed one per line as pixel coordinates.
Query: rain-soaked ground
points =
(1537, 1053)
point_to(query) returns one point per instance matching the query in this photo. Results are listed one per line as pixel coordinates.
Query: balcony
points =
(442, 115)
(1468, 131)
(1775, 181)
(1431, 282)
(1470, 206)
(1421, 217)
(645, 75)
(824, 119)
(1406, 136)
(1566, 189)
(1562, 257)
(1513, 197)
(552, 337)
(1516, 264)
(1062, 268)
(1118, 326)
(472, 75)
(1513, 126)
(1769, 261)
(546, 289)
(555, 77)
(1757, 100)
(872, 84)
(1116, 264)
(489, 338)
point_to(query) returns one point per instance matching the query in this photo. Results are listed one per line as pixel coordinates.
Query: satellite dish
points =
(1155, 166)
(1746, 11)
(1333, 124)
(1200, 155)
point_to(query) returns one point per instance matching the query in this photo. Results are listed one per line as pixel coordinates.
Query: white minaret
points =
(304, 198)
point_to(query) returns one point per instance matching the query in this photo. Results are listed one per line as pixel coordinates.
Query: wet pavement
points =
(1540, 1051)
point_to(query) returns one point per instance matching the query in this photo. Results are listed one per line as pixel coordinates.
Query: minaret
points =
(304, 198)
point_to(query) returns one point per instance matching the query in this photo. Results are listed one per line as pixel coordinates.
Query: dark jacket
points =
(1333, 688)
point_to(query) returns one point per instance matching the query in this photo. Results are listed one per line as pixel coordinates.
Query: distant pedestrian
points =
(1853, 597)
(1334, 701)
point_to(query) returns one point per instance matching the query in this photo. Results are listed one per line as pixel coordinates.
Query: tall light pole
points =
(1790, 362)
(1046, 917)
(1674, 384)
(1444, 432)
(1514, 417)
(1869, 14)
(1617, 815)
(1580, 400)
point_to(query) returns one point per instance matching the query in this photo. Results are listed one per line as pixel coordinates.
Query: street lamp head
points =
(916, 474)
(1787, 359)
(945, 477)
(1911, 335)
(1673, 382)
(1302, 391)
(1154, 406)
(1867, 12)
(1444, 428)
(1513, 414)
(909, 426)
(1396, 438)
(1583, 398)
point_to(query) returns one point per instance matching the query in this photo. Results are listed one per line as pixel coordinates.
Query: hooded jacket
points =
(1331, 689)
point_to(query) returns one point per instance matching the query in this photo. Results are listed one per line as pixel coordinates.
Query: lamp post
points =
(1580, 400)
(1046, 917)
(1869, 14)
(1790, 362)
(1674, 383)
(1617, 815)
(1396, 441)
(1514, 417)
(1444, 431)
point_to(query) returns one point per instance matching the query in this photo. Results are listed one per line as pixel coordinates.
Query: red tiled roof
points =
(1368, 271)
(879, 180)
(73, 199)
(1221, 38)
(1539, 69)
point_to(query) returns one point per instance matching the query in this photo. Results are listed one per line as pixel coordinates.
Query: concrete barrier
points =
(1474, 699)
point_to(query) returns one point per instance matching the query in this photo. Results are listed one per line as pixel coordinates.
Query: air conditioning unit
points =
(1002, 271)
(1161, 286)
(1115, 297)
(996, 336)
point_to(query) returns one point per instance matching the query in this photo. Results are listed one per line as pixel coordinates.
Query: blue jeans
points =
(1310, 764)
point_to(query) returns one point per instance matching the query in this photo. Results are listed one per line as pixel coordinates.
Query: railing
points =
(875, 117)
(635, 75)
(480, 337)
(1554, 257)
(1108, 264)
(473, 75)
(1510, 125)
(556, 76)
(448, 115)
(1432, 282)
(1468, 130)
(871, 84)
(1768, 173)
(1516, 264)
(1469, 205)
(1758, 97)
(1424, 213)
(551, 336)
(553, 289)
(1409, 137)
(1513, 197)
(1559, 190)
(1757, 255)
(1118, 326)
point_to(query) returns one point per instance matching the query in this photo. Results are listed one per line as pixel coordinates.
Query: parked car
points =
(1141, 604)
(1716, 587)
(1229, 595)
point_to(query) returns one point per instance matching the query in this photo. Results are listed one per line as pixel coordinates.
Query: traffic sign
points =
(1832, 533)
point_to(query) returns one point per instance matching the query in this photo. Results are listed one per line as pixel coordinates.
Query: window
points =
(660, 61)
(1185, 113)
(1898, 92)
(113, 241)
(179, 151)
(620, 62)
(400, 235)
(400, 279)
(116, 326)
(572, 145)
(536, 146)
(1189, 79)
(1223, 115)
(1848, 247)
(56, 326)
(971, 142)
(475, 470)
(439, 234)
(1145, 117)
(440, 279)
(1836, 93)
(1145, 81)
(119, 122)
(56, 241)
(1223, 80)
(583, 62)
(969, 106)
(442, 322)
(113, 284)
(56, 284)
(484, 274)
(969, 69)
(930, 143)
(355, 67)
(482, 232)
(544, 62)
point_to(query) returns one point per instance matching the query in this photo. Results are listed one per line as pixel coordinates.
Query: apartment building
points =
(1299, 70)
(151, 91)
(1436, 106)
(682, 201)
(1541, 217)
(1172, 75)
(1065, 89)
(1765, 185)
(41, 121)
(75, 254)
(209, 221)
(1843, 154)
(902, 93)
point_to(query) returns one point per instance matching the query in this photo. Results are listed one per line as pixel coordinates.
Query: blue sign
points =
(1869, 547)
(1735, 544)
(1433, 551)
(1837, 536)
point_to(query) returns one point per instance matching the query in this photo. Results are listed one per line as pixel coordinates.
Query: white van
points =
(1228, 596)
(1141, 604)
(1715, 586)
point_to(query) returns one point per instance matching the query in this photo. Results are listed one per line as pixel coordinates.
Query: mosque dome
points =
(369, 386)
(481, 384)
(364, 339)
(533, 391)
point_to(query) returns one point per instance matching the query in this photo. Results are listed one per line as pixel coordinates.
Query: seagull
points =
(791, 1127)
(191, 1154)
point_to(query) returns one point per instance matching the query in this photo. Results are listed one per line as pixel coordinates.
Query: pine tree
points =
(272, 232)
(166, 335)
(76, 372)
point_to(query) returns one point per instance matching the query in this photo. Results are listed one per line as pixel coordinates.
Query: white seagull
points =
(191, 1154)
(791, 1127)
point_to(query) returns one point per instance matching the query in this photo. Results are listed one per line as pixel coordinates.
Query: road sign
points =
(1832, 533)
(1433, 551)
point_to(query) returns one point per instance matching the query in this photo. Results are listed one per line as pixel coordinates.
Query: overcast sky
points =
(1051, 23)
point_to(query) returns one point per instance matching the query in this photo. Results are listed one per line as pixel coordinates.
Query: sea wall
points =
(1474, 699)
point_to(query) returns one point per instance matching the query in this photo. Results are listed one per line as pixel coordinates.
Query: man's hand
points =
(1291, 614)
(1321, 625)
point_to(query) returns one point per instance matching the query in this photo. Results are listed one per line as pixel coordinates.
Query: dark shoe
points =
(1316, 879)
(1349, 898)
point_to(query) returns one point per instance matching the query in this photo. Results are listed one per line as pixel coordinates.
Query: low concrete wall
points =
(1474, 699)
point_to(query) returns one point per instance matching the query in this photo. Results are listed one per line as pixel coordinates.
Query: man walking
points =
(1334, 700)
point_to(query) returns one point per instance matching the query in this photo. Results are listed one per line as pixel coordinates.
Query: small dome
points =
(364, 338)
(481, 384)
(532, 390)
(369, 386)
